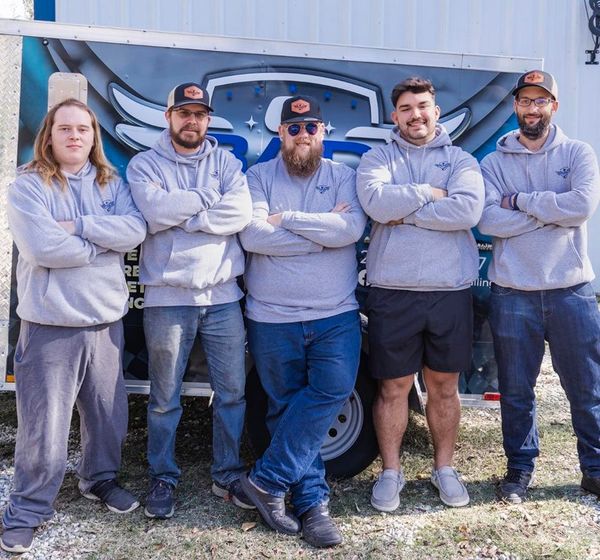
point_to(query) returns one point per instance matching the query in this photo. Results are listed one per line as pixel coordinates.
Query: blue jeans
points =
(569, 320)
(170, 333)
(308, 370)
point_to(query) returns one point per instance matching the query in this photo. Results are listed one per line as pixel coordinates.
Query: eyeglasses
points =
(539, 102)
(311, 127)
(185, 114)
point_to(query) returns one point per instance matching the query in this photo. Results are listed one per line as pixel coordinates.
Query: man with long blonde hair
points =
(72, 219)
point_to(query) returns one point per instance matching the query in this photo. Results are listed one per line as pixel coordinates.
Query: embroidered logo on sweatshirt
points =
(563, 172)
(443, 165)
(322, 188)
(108, 205)
(214, 173)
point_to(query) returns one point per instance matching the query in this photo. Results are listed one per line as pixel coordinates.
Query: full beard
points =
(178, 139)
(533, 132)
(302, 165)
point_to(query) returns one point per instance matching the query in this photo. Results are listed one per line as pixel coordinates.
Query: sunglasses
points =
(311, 128)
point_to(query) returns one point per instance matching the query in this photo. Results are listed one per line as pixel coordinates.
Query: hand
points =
(395, 222)
(438, 193)
(506, 203)
(275, 219)
(341, 208)
(68, 226)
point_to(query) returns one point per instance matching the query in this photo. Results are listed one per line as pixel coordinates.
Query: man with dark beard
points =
(195, 199)
(541, 189)
(303, 324)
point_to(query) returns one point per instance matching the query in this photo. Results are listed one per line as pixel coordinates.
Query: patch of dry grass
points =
(559, 521)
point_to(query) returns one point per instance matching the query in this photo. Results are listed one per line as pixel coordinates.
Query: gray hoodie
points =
(543, 245)
(194, 206)
(306, 269)
(434, 248)
(72, 280)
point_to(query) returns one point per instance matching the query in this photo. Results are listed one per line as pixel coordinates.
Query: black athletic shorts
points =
(409, 330)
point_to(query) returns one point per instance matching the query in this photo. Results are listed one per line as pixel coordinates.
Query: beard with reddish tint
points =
(177, 138)
(300, 164)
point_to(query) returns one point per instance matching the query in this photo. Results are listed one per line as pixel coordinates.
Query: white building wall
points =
(555, 30)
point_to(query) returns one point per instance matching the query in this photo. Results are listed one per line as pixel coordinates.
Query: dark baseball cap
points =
(537, 78)
(188, 94)
(300, 108)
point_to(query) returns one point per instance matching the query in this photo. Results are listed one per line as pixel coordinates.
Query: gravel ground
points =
(559, 521)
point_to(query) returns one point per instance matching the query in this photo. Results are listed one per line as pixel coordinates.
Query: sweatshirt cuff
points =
(79, 227)
(287, 218)
(523, 202)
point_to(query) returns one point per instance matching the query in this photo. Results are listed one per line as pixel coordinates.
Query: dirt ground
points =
(559, 521)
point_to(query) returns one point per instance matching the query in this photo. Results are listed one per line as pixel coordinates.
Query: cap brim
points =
(191, 102)
(301, 119)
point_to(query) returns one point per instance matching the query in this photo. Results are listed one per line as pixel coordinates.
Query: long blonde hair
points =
(43, 161)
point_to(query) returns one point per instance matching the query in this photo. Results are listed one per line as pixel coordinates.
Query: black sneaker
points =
(271, 508)
(513, 487)
(17, 539)
(115, 498)
(235, 493)
(318, 529)
(591, 484)
(160, 501)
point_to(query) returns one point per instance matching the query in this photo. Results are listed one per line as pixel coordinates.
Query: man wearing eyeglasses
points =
(303, 323)
(541, 189)
(195, 199)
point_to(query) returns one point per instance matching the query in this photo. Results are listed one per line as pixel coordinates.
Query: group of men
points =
(289, 227)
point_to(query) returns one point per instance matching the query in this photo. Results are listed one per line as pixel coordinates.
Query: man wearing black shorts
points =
(424, 196)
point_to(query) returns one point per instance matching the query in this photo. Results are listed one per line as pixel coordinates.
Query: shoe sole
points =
(95, 498)
(461, 503)
(264, 514)
(384, 507)
(588, 489)
(167, 515)
(323, 544)
(17, 549)
(223, 493)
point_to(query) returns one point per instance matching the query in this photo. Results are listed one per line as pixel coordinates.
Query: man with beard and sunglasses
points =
(424, 195)
(195, 200)
(541, 189)
(302, 316)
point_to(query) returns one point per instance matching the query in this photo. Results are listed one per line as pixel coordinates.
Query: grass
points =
(559, 521)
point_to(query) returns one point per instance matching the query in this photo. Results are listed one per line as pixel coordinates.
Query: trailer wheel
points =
(351, 444)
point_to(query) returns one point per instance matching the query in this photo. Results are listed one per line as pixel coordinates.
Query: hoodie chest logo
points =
(108, 205)
(214, 174)
(322, 188)
(563, 172)
(443, 165)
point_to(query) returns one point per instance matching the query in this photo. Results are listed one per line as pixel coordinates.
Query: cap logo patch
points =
(533, 78)
(300, 106)
(192, 92)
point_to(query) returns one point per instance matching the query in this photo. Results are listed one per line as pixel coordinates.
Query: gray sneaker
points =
(115, 498)
(452, 490)
(17, 539)
(385, 495)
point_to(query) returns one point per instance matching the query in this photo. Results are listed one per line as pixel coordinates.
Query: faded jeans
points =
(170, 333)
(308, 370)
(569, 320)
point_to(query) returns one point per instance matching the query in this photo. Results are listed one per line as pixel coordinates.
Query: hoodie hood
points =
(509, 143)
(441, 139)
(164, 146)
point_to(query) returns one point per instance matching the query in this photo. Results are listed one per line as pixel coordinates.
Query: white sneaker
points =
(452, 490)
(385, 495)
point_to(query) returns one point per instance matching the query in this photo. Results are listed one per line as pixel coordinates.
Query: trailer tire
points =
(351, 445)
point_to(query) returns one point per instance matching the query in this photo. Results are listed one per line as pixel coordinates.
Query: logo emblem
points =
(214, 174)
(108, 205)
(563, 172)
(322, 188)
(443, 165)
(300, 106)
(533, 78)
(192, 92)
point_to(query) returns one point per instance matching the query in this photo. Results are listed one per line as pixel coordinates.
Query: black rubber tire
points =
(353, 460)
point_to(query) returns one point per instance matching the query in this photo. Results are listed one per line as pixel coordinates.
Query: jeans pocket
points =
(583, 290)
(501, 290)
